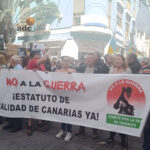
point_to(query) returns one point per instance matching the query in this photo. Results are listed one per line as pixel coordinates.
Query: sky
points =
(66, 10)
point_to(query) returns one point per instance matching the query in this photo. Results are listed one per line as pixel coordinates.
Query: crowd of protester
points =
(91, 63)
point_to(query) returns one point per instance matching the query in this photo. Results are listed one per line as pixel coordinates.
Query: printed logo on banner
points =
(26, 24)
(125, 96)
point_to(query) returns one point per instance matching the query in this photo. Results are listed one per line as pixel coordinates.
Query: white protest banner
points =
(117, 103)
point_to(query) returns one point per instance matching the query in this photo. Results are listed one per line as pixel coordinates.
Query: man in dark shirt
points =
(103, 68)
(91, 66)
(133, 63)
(145, 69)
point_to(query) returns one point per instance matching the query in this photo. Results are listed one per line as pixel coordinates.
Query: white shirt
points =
(89, 69)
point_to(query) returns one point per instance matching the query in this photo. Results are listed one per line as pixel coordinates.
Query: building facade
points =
(92, 24)
(121, 19)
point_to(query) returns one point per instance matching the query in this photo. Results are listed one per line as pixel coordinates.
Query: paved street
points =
(47, 141)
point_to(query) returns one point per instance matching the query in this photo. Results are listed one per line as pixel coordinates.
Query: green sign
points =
(130, 122)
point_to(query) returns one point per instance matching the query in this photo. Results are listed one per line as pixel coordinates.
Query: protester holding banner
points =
(93, 65)
(146, 144)
(120, 67)
(133, 63)
(103, 68)
(112, 102)
(109, 60)
(15, 124)
(3, 65)
(36, 63)
(81, 63)
(145, 69)
(145, 63)
(65, 127)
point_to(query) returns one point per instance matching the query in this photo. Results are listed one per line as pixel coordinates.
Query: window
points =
(127, 29)
(119, 15)
(119, 21)
(77, 18)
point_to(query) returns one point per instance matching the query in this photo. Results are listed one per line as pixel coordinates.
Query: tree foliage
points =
(44, 12)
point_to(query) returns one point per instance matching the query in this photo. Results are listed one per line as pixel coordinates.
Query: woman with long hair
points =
(120, 67)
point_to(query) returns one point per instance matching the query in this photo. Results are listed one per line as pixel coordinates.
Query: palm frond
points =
(43, 9)
(23, 5)
(43, 14)
(16, 4)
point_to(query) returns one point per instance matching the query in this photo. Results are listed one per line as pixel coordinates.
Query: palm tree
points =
(44, 12)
